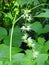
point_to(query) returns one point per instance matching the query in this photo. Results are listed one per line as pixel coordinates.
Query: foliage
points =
(24, 32)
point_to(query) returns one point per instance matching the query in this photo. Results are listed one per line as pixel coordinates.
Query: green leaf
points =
(1, 63)
(41, 59)
(17, 37)
(47, 62)
(7, 22)
(41, 40)
(40, 48)
(44, 1)
(47, 46)
(18, 57)
(8, 19)
(29, 54)
(5, 52)
(37, 27)
(44, 14)
(46, 29)
(21, 59)
(0, 6)
(6, 62)
(8, 15)
(21, 2)
(36, 2)
(3, 33)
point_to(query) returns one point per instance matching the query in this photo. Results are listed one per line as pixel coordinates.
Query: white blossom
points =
(28, 28)
(33, 45)
(25, 36)
(35, 54)
(29, 40)
(26, 14)
(29, 18)
(29, 44)
(23, 28)
(26, 11)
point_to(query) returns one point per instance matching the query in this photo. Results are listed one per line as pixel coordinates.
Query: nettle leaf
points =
(17, 37)
(37, 27)
(47, 46)
(44, 14)
(41, 59)
(41, 40)
(21, 2)
(3, 33)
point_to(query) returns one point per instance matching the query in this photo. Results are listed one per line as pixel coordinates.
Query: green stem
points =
(11, 38)
(18, 19)
(11, 43)
(14, 21)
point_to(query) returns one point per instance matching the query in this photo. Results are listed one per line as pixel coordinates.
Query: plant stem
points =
(14, 21)
(11, 43)
(11, 38)
(18, 19)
